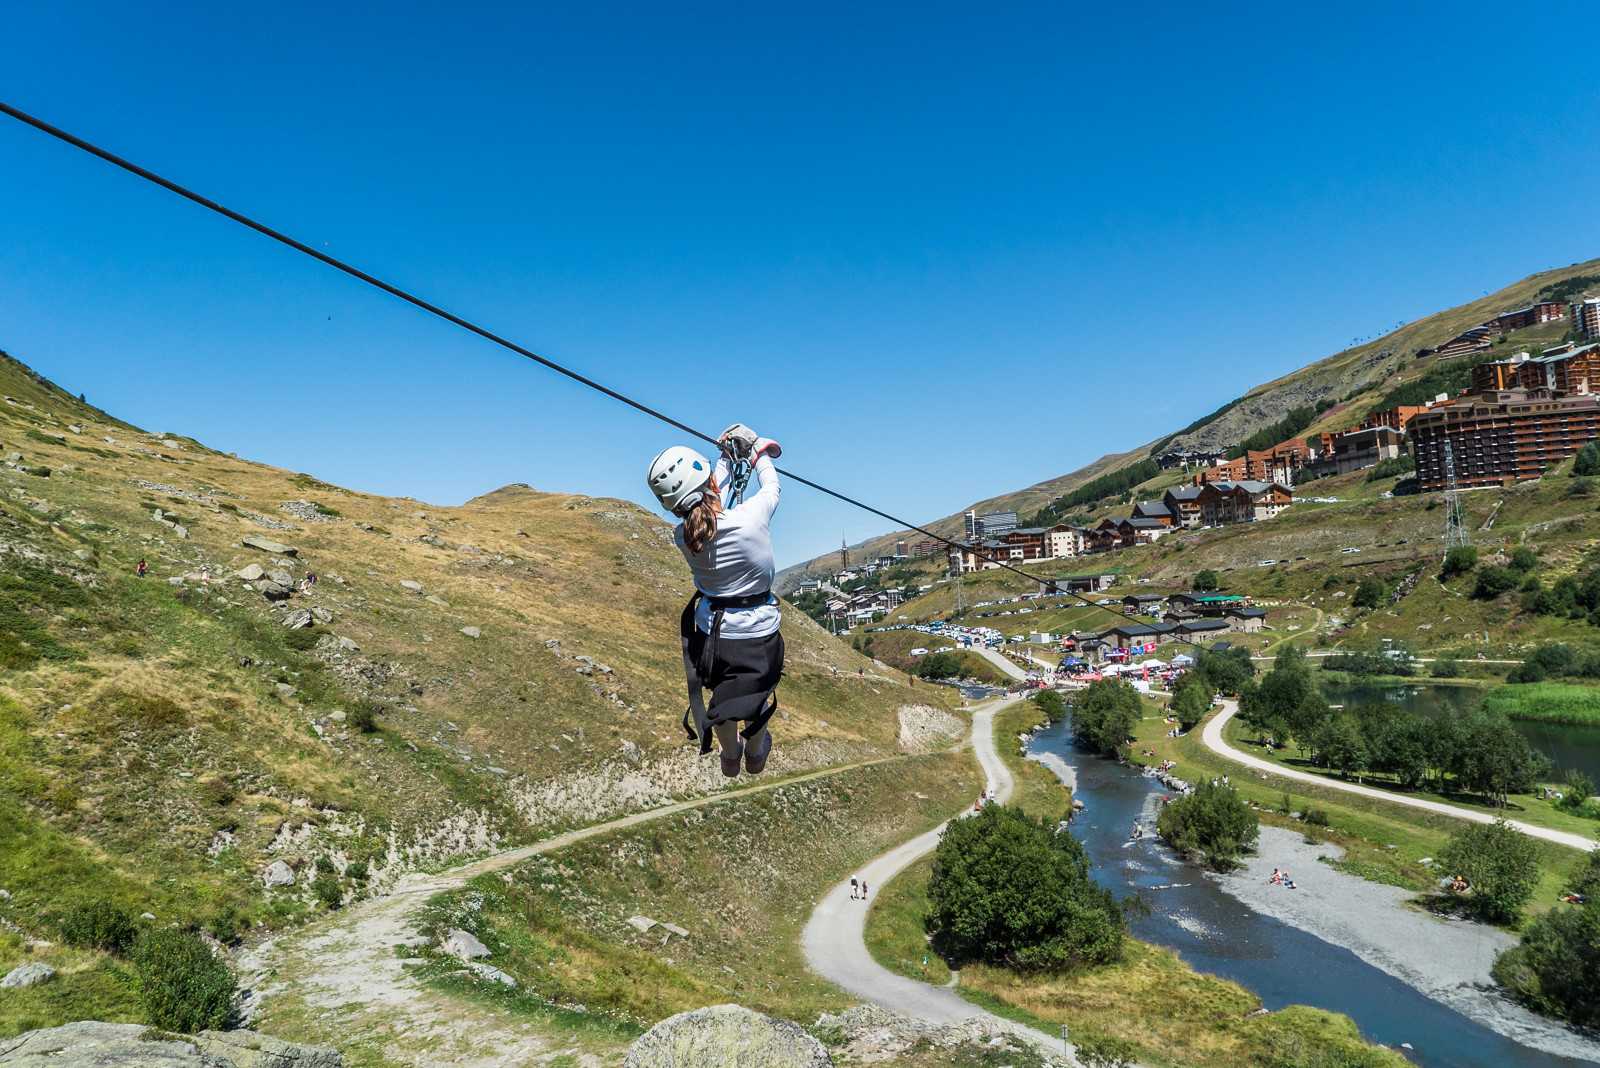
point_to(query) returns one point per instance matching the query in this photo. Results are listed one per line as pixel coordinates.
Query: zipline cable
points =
(489, 335)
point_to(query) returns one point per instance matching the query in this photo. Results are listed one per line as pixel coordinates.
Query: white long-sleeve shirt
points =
(739, 561)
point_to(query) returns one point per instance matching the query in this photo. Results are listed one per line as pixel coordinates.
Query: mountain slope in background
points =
(1352, 382)
(460, 677)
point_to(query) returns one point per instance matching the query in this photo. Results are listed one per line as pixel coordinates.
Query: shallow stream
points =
(1218, 934)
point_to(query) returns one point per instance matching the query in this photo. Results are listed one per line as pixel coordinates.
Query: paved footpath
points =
(1211, 735)
(1000, 661)
(834, 939)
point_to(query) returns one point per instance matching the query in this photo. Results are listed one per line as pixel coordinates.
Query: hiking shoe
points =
(730, 765)
(755, 765)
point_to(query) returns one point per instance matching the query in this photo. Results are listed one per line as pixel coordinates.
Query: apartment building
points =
(1563, 369)
(1244, 501)
(1501, 436)
(1586, 316)
(1394, 418)
(1352, 450)
(1183, 502)
(1277, 464)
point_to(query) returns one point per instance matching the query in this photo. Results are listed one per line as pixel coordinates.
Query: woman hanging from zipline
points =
(729, 629)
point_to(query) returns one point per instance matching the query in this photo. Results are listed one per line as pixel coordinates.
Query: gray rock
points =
(285, 690)
(411, 584)
(91, 1044)
(434, 598)
(497, 771)
(675, 929)
(175, 580)
(432, 539)
(281, 577)
(274, 591)
(81, 554)
(490, 972)
(298, 619)
(348, 645)
(464, 944)
(322, 614)
(630, 751)
(472, 632)
(642, 923)
(180, 531)
(337, 717)
(27, 974)
(468, 548)
(554, 646)
(14, 457)
(5, 895)
(267, 545)
(730, 1035)
(278, 874)
(251, 573)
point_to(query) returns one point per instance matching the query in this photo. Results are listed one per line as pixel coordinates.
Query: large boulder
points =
(91, 1044)
(27, 974)
(267, 545)
(278, 874)
(729, 1036)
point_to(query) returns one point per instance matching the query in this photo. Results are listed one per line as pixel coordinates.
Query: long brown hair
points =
(700, 525)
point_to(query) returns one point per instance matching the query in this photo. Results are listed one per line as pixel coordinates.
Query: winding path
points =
(1211, 735)
(834, 938)
(1002, 662)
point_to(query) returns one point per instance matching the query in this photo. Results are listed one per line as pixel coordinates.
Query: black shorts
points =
(744, 671)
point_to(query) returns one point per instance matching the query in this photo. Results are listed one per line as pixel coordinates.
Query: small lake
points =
(1218, 934)
(1566, 745)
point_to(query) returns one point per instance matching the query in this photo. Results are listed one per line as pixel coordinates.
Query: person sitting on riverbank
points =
(1274, 876)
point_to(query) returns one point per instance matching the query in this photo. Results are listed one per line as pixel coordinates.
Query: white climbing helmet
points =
(678, 478)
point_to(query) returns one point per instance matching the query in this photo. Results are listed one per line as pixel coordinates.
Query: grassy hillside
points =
(474, 676)
(1353, 382)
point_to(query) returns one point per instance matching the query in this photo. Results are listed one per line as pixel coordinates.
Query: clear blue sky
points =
(939, 251)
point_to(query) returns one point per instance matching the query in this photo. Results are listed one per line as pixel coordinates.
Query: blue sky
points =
(939, 252)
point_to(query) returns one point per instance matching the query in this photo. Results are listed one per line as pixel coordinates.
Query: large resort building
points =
(1501, 436)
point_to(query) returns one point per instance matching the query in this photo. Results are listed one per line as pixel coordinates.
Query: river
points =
(1216, 933)
(1567, 746)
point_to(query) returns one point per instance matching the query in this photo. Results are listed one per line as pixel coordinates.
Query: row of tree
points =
(1473, 752)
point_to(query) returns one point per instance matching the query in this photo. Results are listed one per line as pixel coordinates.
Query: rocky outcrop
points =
(726, 1035)
(27, 975)
(90, 1044)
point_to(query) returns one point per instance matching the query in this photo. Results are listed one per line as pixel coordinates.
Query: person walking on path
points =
(729, 629)
(852, 888)
(863, 889)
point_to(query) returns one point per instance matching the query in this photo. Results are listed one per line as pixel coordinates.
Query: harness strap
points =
(694, 673)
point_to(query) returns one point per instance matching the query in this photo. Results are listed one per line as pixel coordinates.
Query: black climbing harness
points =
(696, 669)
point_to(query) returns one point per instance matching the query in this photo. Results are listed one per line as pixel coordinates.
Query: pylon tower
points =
(1455, 526)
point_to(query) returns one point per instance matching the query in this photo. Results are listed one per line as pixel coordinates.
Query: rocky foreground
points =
(89, 1044)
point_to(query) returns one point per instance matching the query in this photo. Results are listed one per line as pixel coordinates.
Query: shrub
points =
(303, 639)
(939, 666)
(1212, 823)
(1206, 580)
(182, 984)
(219, 791)
(1104, 1051)
(1051, 704)
(1104, 716)
(1556, 969)
(1317, 817)
(325, 866)
(1460, 560)
(1014, 891)
(1493, 581)
(1579, 788)
(327, 890)
(99, 925)
(1499, 862)
(357, 870)
(1370, 594)
(1446, 668)
(364, 718)
(224, 924)
(1524, 559)
(1395, 465)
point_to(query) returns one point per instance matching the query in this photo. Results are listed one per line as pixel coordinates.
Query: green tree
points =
(1579, 787)
(1341, 745)
(939, 666)
(1499, 862)
(1556, 969)
(1104, 716)
(1403, 748)
(1524, 559)
(1207, 580)
(1492, 759)
(1014, 891)
(1587, 462)
(1268, 706)
(1459, 561)
(1212, 823)
(1229, 671)
(1191, 699)
(1051, 704)
(1446, 668)
(1370, 594)
(184, 986)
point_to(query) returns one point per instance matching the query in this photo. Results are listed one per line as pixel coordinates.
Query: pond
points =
(1216, 933)
(1567, 746)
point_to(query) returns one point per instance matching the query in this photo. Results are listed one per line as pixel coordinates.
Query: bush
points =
(1446, 668)
(1579, 787)
(1316, 817)
(940, 666)
(1010, 890)
(99, 925)
(1104, 716)
(1493, 581)
(303, 639)
(1206, 580)
(1499, 862)
(182, 984)
(325, 865)
(364, 718)
(1395, 465)
(357, 870)
(1556, 969)
(327, 890)
(1212, 823)
(1459, 561)
(1524, 559)
(1370, 594)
